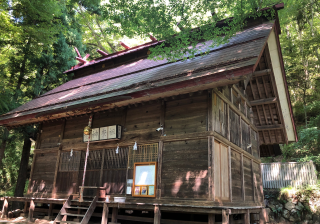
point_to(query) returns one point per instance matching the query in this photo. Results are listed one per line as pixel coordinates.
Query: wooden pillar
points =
(159, 168)
(210, 112)
(211, 219)
(210, 165)
(50, 214)
(102, 164)
(242, 179)
(225, 216)
(157, 215)
(25, 208)
(246, 217)
(5, 209)
(253, 182)
(105, 214)
(55, 175)
(114, 217)
(230, 175)
(264, 218)
(31, 172)
(31, 210)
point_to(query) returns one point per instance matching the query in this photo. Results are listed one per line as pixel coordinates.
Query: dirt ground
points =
(24, 220)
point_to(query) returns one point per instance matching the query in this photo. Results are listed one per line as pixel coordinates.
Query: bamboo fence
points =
(278, 175)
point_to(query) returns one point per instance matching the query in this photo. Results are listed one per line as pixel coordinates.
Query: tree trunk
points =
(3, 144)
(22, 176)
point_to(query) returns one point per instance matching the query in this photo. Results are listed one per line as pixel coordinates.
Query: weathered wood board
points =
(185, 169)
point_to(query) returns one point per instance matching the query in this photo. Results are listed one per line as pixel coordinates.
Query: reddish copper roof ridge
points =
(103, 80)
(110, 56)
(145, 82)
(151, 43)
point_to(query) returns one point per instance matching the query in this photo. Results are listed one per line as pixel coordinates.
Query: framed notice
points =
(144, 179)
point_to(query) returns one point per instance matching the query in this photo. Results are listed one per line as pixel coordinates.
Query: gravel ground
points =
(24, 220)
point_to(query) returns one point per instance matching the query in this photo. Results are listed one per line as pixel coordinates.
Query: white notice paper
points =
(145, 175)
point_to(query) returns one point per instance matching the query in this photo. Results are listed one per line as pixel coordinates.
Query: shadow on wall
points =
(192, 183)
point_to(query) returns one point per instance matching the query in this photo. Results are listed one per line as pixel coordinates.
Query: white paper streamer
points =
(135, 147)
(117, 150)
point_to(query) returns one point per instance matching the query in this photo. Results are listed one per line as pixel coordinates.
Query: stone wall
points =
(293, 206)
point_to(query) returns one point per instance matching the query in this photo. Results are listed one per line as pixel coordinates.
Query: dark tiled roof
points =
(242, 50)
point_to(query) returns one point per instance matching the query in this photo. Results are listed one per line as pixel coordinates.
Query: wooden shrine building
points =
(180, 141)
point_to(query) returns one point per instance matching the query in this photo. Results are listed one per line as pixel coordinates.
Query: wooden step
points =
(71, 214)
(78, 207)
(70, 222)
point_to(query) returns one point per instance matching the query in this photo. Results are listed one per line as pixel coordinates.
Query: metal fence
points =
(278, 175)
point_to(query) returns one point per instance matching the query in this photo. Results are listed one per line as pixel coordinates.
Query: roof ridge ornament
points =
(124, 45)
(102, 52)
(82, 60)
(152, 38)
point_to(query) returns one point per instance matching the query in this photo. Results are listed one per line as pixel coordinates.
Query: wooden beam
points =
(5, 209)
(265, 87)
(259, 117)
(265, 114)
(241, 94)
(31, 210)
(159, 169)
(270, 127)
(105, 214)
(264, 101)
(261, 73)
(258, 87)
(235, 109)
(211, 219)
(157, 215)
(251, 87)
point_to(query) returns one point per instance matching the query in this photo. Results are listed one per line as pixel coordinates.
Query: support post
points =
(264, 216)
(246, 217)
(31, 210)
(211, 219)
(5, 209)
(50, 211)
(160, 150)
(225, 216)
(157, 215)
(114, 217)
(105, 214)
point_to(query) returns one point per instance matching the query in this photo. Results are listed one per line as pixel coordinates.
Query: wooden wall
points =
(185, 170)
(41, 183)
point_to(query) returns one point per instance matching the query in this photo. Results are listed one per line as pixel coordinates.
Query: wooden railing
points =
(278, 175)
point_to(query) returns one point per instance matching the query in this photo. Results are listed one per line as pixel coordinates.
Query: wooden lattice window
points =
(114, 160)
(144, 153)
(69, 161)
(94, 160)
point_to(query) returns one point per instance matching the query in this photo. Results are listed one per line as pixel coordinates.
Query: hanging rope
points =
(87, 154)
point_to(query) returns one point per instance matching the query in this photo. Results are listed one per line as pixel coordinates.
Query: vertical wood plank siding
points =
(278, 175)
(182, 178)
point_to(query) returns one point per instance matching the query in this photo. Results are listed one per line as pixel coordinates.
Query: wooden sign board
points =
(144, 179)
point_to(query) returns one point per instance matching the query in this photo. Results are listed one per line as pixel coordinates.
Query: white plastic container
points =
(119, 199)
